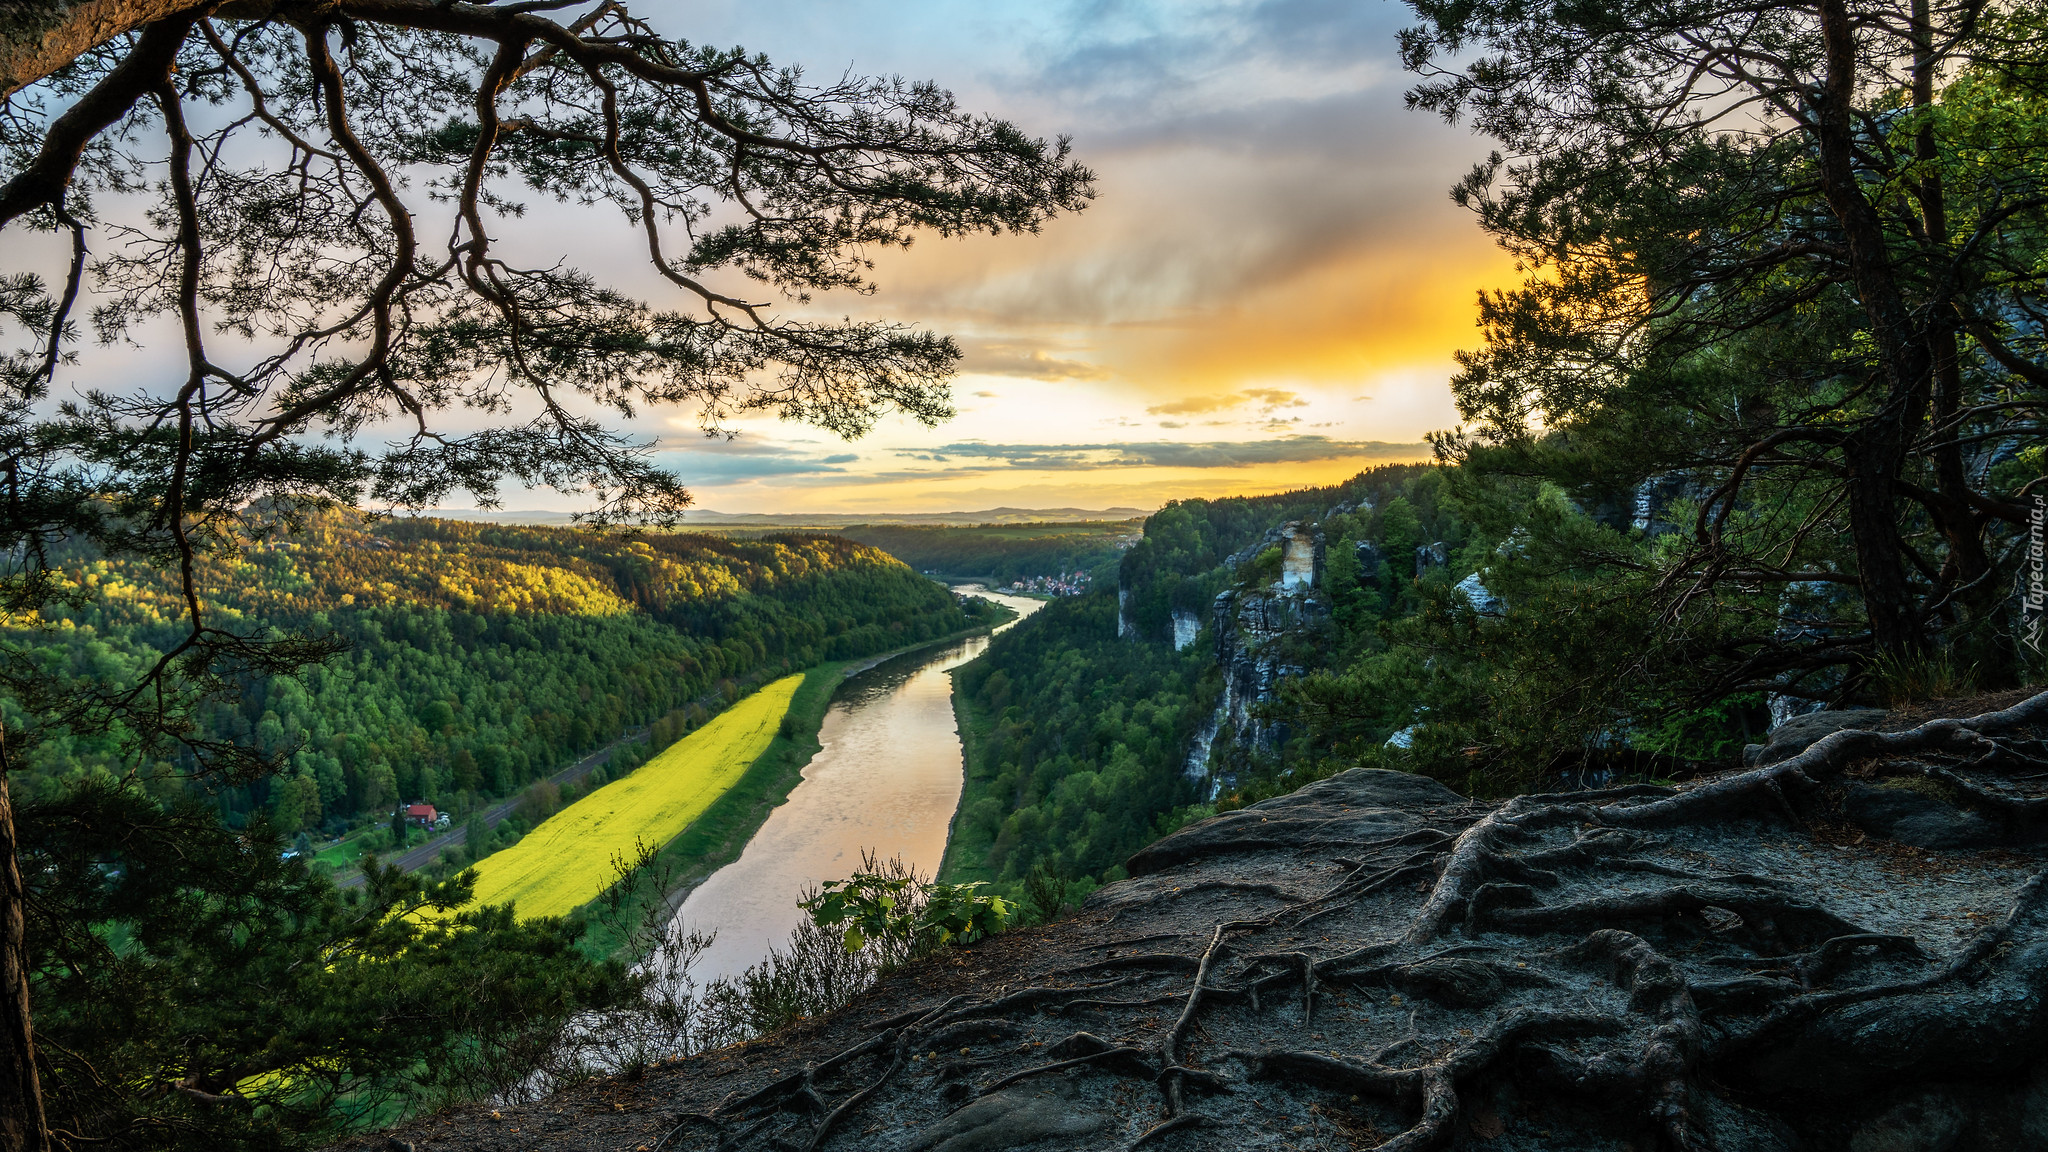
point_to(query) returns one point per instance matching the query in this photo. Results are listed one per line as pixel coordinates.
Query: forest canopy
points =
(1783, 262)
(476, 658)
(1002, 552)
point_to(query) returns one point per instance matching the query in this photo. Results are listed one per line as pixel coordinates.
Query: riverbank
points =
(721, 833)
(1936, 1012)
(1002, 614)
(966, 863)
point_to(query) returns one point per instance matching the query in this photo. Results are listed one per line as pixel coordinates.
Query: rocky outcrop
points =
(1369, 561)
(1253, 629)
(1793, 736)
(1483, 601)
(1263, 634)
(1655, 496)
(1301, 558)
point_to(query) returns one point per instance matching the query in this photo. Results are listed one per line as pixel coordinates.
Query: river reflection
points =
(887, 778)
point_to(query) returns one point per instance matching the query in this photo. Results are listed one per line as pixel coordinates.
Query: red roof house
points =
(422, 814)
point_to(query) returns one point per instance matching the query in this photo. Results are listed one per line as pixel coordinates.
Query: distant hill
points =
(706, 518)
(1002, 552)
(478, 657)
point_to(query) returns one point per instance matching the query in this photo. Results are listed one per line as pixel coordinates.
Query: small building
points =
(424, 816)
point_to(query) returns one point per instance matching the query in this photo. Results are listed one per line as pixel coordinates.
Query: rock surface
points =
(1010, 1119)
(1799, 733)
(1916, 817)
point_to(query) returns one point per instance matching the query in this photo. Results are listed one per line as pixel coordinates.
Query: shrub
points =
(1908, 678)
(888, 904)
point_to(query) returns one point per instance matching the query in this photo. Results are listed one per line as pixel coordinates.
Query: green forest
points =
(474, 659)
(1073, 742)
(1760, 433)
(1001, 552)
(1494, 623)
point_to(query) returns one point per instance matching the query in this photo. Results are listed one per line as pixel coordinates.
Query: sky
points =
(1266, 293)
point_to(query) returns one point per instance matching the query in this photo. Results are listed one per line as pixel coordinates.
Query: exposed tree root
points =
(1171, 1124)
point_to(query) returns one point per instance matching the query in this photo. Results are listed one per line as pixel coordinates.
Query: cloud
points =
(1168, 453)
(1195, 405)
(1271, 221)
(728, 460)
(1267, 398)
(992, 358)
(1275, 398)
(1133, 58)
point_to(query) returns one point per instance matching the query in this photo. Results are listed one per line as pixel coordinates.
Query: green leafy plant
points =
(894, 909)
(1265, 567)
(956, 912)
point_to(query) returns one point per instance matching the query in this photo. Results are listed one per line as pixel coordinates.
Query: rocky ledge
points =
(1843, 948)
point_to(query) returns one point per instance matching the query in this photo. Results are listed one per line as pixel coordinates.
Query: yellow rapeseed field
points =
(567, 861)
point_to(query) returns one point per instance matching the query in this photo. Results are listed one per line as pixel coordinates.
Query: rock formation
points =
(1264, 634)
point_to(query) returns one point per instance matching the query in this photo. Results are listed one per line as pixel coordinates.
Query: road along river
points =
(886, 778)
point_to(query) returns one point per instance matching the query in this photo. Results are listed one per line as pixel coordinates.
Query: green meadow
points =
(567, 861)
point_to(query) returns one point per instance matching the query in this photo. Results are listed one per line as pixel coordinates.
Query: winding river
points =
(887, 778)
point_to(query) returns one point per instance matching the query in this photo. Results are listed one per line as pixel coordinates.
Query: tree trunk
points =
(1961, 526)
(22, 1125)
(1878, 450)
(1874, 459)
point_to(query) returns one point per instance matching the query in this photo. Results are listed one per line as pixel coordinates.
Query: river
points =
(886, 778)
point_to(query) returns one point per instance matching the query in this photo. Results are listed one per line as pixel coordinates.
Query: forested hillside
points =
(1499, 630)
(478, 658)
(1005, 552)
(1074, 741)
(1081, 721)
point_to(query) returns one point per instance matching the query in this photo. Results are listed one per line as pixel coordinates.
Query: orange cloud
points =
(1267, 398)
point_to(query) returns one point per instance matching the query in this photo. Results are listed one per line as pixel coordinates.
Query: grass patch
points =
(342, 854)
(1910, 679)
(717, 837)
(567, 861)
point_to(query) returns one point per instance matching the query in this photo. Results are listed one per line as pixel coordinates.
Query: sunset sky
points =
(1265, 294)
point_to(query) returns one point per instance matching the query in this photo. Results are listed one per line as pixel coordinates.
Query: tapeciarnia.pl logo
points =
(2035, 604)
